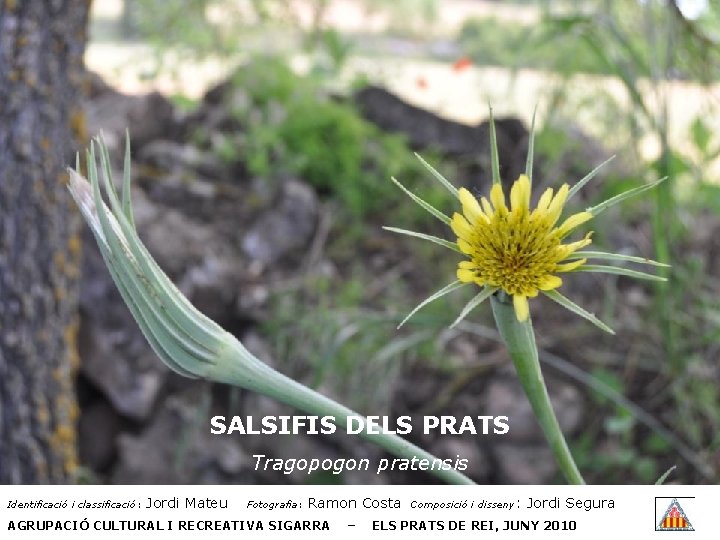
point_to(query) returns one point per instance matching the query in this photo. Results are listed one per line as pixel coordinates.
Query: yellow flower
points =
(515, 249)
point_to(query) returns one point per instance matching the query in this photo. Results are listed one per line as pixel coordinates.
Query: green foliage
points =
(600, 38)
(337, 343)
(623, 455)
(290, 125)
(490, 41)
(178, 23)
(407, 17)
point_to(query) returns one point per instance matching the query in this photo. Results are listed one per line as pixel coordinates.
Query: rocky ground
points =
(229, 240)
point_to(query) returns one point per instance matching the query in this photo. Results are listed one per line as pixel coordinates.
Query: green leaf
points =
(494, 156)
(475, 302)
(442, 292)
(425, 205)
(572, 306)
(701, 135)
(614, 257)
(589, 176)
(435, 239)
(597, 209)
(601, 269)
(444, 181)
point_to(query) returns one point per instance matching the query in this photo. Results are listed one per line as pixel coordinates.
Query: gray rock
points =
(177, 241)
(98, 430)
(212, 285)
(149, 117)
(131, 383)
(177, 447)
(172, 156)
(286, 227)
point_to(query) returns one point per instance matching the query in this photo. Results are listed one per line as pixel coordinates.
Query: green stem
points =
(236, 366)
(520, 341)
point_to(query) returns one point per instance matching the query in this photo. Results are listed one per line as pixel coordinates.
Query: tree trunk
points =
(41, 48)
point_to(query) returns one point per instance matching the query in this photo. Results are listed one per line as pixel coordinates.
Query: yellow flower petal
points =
(567, 267)
(486, 207)
(461, 227)
(522, 308)
(465, 246)
(556, 205)
(544, 201)
(573, 221)
(466, 276)
(497, 196)
(520, 194)
(470, 207)
(565, 250)
(549, 282)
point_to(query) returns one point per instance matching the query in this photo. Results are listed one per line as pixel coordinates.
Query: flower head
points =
(519, 251)
(514, 249)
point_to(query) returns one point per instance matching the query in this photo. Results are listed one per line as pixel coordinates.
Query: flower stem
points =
(520, 341)
(237, 366)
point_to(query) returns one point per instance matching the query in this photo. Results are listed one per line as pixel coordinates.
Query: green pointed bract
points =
(164, 304)
(531, 149)
(572, 306)
(175, 302)
(597, 209)
(601, 269)
(126, 198)
(137, 299)
(589, 176)
(138, 314)
(423, 204)
(139, 288)
(455, 285)
(478, 299)
(171, 340)
(430, 238)
(439, 177)
(601, 255)
(494, 156)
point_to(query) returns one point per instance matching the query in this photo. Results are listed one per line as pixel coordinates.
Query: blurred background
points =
(265, 133)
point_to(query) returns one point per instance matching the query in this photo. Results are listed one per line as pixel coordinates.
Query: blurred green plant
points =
(324, 346)
(289, 124)
(559, 43)
(622, 455)
(182, 30)
(407, 17)
(497, 42)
